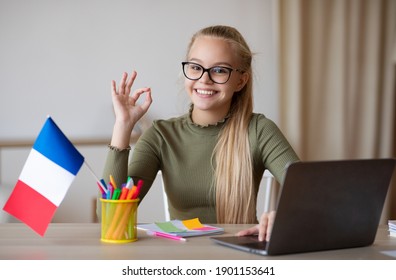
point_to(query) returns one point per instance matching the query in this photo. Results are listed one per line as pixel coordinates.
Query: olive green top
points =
(183, 150)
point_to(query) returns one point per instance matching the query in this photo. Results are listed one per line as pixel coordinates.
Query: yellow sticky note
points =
(192, 223)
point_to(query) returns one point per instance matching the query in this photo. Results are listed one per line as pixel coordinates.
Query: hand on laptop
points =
(263, 229)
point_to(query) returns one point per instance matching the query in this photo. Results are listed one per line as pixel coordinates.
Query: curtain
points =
(337, 78)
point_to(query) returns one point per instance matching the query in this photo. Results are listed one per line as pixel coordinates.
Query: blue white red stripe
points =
(48, 172)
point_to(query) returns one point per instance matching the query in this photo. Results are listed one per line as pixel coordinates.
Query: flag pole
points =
(96, 177)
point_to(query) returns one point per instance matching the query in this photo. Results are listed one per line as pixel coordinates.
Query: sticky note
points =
(192, 223)
(169, 227)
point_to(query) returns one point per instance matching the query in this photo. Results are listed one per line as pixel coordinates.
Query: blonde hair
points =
(235, 195)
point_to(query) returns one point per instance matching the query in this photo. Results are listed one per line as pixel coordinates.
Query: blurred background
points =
(324, 72)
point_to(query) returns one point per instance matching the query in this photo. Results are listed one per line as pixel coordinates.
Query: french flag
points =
(50, 169)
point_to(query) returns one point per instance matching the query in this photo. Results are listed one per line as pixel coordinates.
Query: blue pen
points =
(103, 183)
(109, 191)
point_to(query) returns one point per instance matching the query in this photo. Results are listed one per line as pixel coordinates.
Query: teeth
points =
(206, 92)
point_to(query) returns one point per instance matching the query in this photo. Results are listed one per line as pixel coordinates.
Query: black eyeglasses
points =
(217, 74)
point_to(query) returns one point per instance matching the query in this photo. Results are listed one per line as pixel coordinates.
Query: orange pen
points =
(124, 193)
(131, 193)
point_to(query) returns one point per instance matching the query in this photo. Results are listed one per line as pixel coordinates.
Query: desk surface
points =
(82, 241)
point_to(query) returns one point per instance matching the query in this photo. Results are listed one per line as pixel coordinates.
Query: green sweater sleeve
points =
(116, 165)
(271, 150)
(143, 163)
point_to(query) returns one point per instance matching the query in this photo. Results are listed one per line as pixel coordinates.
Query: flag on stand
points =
(49, 170)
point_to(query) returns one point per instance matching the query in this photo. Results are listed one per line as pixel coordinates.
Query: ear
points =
(244, 78)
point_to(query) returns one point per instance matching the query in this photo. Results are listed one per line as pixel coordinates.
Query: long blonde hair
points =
(235, 195)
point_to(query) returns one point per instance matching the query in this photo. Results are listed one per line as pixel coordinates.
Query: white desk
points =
(82, 241)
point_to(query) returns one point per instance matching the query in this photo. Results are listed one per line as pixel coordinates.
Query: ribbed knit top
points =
(183, 151)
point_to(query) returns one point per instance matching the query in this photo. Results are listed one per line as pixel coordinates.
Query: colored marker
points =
(112, 181)
(116, 194)
(101, 188)
(103, 183)
(138, 189)
(109, 191)
(131, 193)
(124, 193)
(129, 182)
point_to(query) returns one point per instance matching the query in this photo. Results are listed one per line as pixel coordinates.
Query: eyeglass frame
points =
(208, 70)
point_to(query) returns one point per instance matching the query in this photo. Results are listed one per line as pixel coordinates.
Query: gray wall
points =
(58, 57)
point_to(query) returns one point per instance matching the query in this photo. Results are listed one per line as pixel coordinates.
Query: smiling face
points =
(212, 101)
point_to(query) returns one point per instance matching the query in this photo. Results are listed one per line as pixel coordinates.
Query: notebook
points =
(182, 228)
(324, 205)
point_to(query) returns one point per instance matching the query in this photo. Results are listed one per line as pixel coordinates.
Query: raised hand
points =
(127, 111)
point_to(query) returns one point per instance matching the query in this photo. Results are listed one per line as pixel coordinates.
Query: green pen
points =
(116, 194)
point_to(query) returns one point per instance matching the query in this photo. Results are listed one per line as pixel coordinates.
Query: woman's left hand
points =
(263, 229)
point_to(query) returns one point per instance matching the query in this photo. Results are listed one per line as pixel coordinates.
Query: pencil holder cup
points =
(119, 219)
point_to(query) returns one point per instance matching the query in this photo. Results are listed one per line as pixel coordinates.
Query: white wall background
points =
(58, 57)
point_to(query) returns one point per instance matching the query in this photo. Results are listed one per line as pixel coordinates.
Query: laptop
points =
(324, 205)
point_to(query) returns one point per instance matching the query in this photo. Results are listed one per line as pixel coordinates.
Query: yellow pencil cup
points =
(119, 219)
